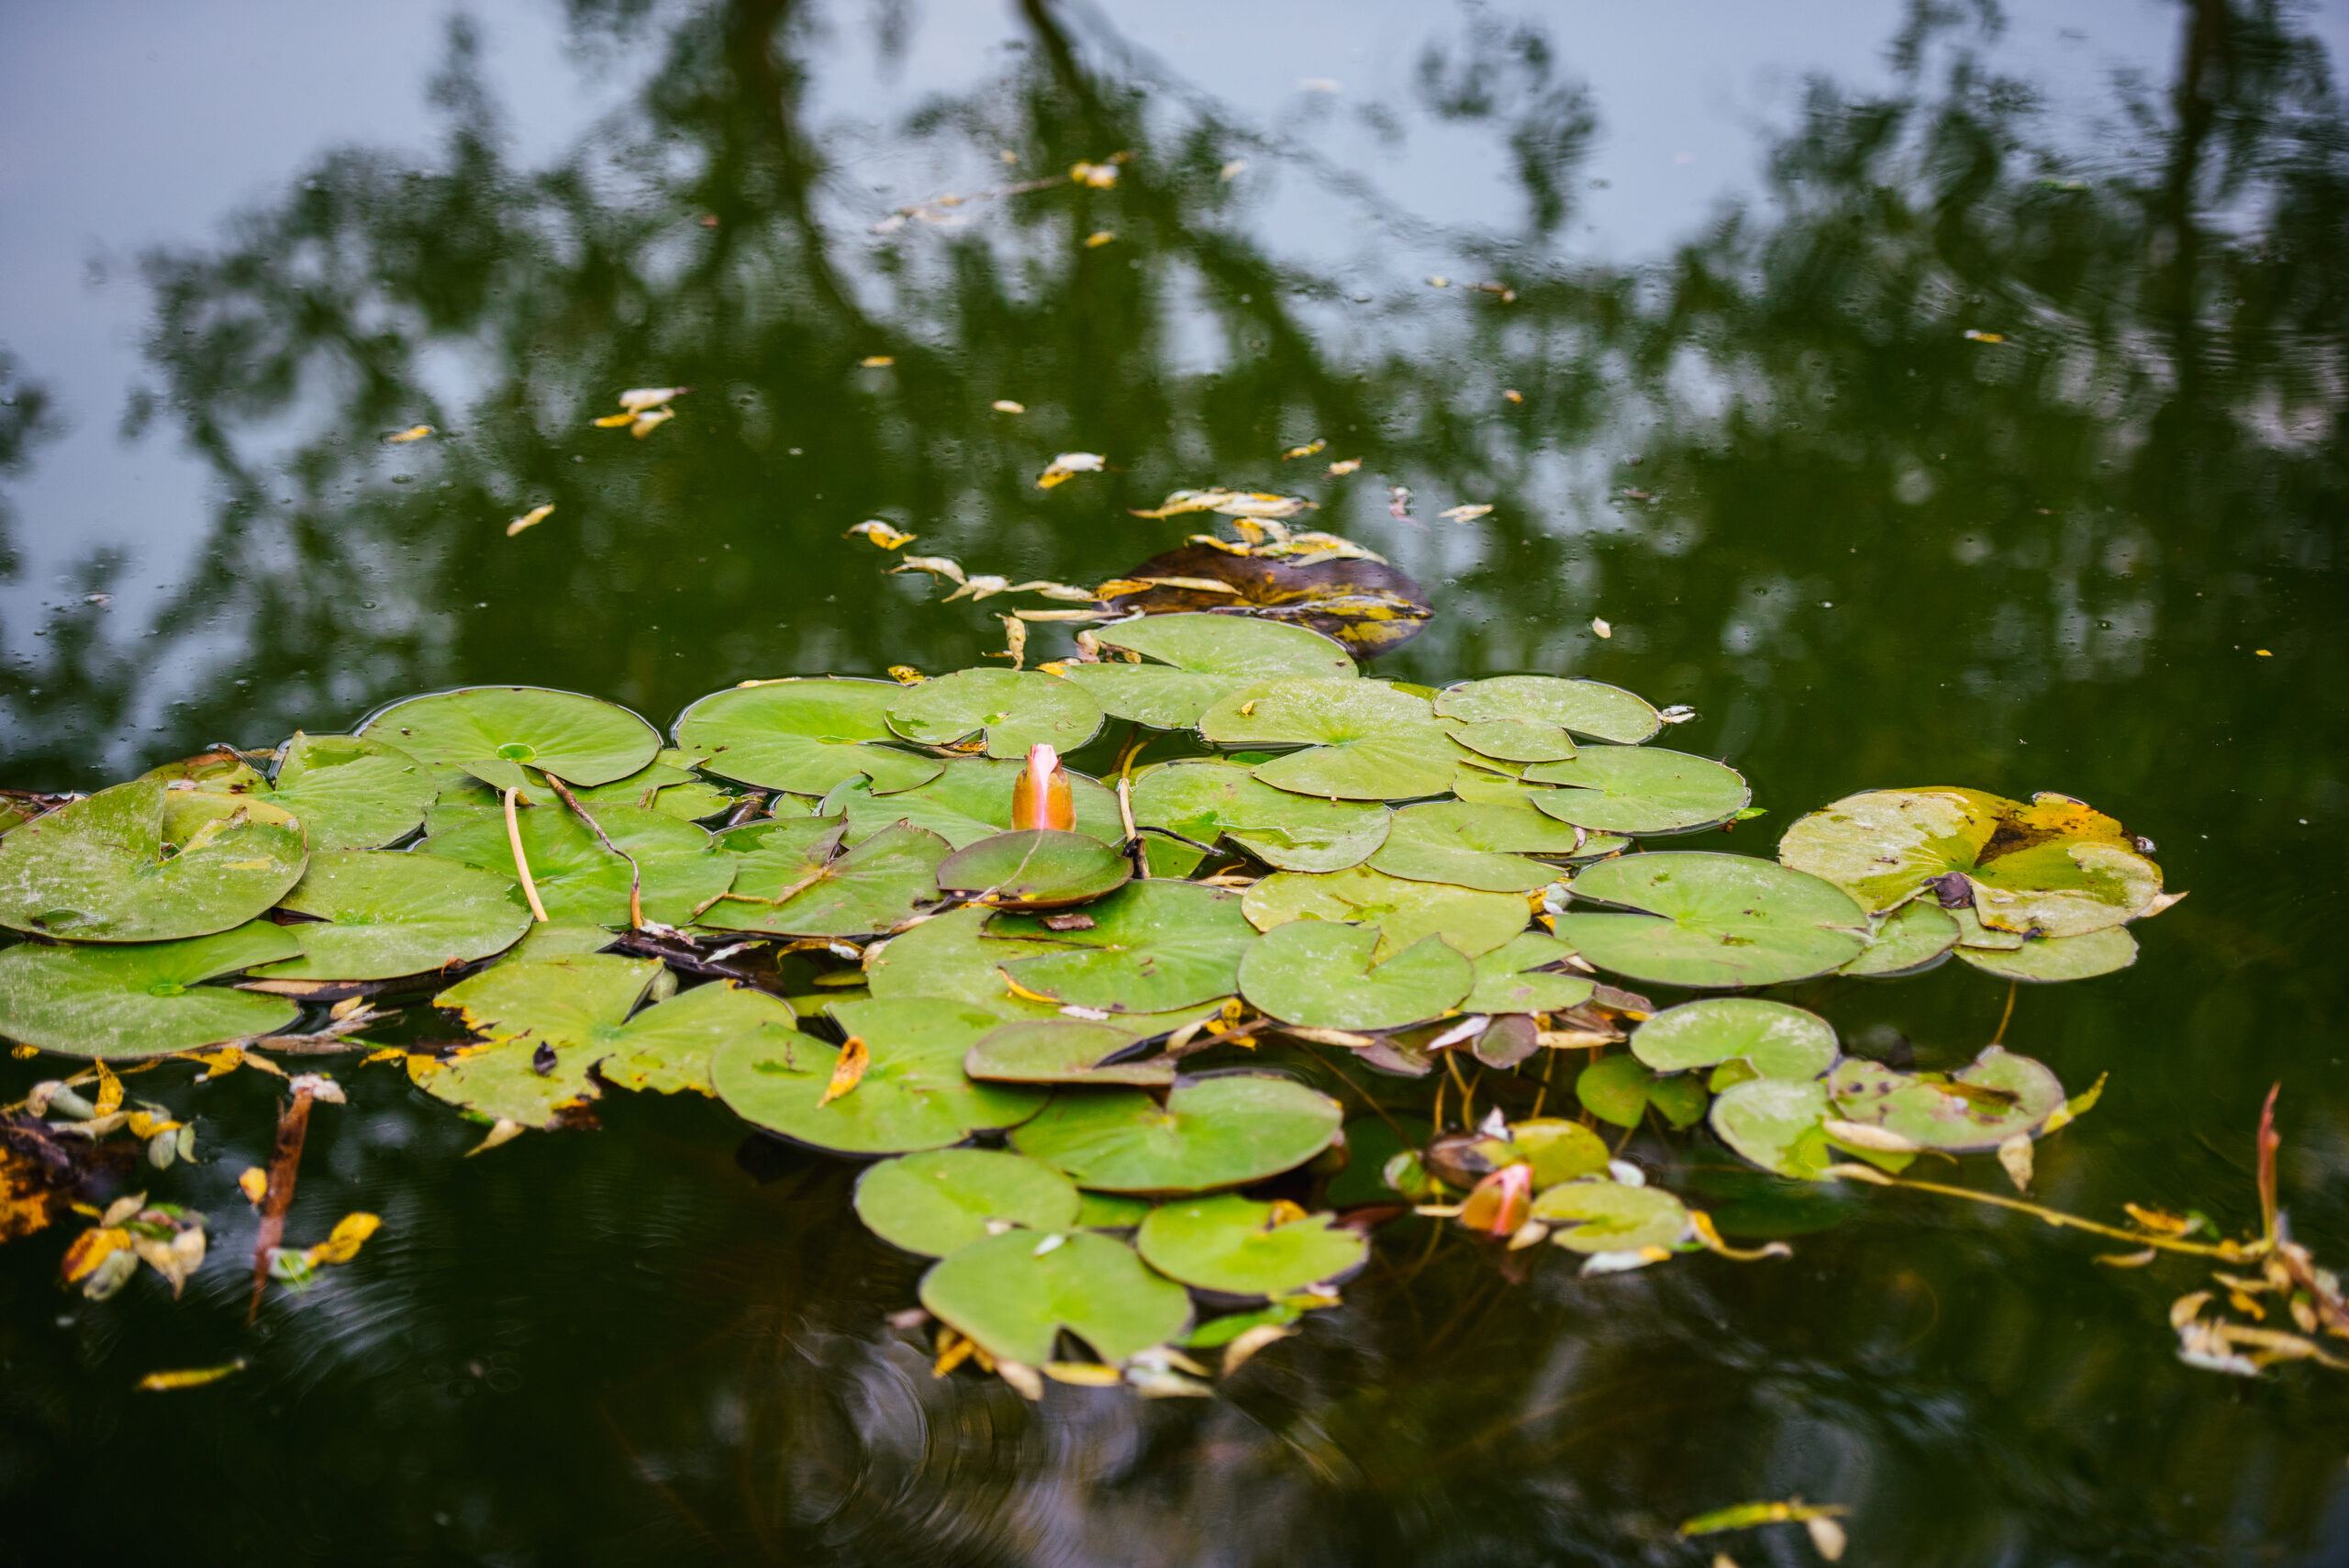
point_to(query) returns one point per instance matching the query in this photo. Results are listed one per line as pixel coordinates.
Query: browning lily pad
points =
(492, 731)
(1036, 869)
(1206, 800)
(804, 736)
(132, 999)
(351, 792)
(1473, 922)
(1061, 1050)
(1776, 1124)
(578, 879)
(1016, 1292)
(1479, 845)
(1594, 1215)
(1639, 789)
(1201, 659)
(1363, 740)
(1012, 710)
(1515, 978)
(938, 1203)
(869, 888)
(1223, 1131)
(1153, 946)
(381, 913)
(1979, 1106)
(913, 1095)
(1536, 706)
(1367, 606)
(1713, 920)
(1780, 1041)
(1910, 940)
(969, 800)
(1320, 974)
(2054, 867)
(145, 862)
(2045, 960)
(1231, 1244)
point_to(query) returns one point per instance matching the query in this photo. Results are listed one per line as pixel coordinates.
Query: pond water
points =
(1926, 395)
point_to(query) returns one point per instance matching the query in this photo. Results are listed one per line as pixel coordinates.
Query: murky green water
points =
(1755, 428)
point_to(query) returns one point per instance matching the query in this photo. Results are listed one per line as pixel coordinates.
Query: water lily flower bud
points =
(1042, 797)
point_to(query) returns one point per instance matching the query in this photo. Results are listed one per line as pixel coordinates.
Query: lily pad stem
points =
(2233, 1252)
(635, 872)
(2006, 1018)
(521, 861)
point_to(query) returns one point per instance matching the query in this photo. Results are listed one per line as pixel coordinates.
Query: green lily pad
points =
(1111, 1211)
(970, 800)
(1015, 1292)
(381, 914)
(1060, 1050)
(1614, 1089)
(1153, 946)
(869, 888)
(1973, 933)
(492, 731)
(1639, 789)
(548, 1022)
(1201, 660)
(1594, 1215)
(1230, 1244)
(2049, 959)
(351, 792)
(667, 1048)
(1479, 845)
(1364, 739)
(1481, 785)
(938, 1203)
(1780, 1041)
(508, 1080)
(1725, 920)
(133, 999)
(1776, 1124)
(1514, 978)
(1036, 869)
(804, 736)
(949, 958)
(1320, 974)
(558, 939)
(144, 862)
(1910, 940)
(1223, 1131)
(2018, 1094)
(1473, 922)
(2053, 867)
(1208, 799)
(1559, 1150)
(666, 785)
(1013, 709)
(1542, 703)
(914, 1096)
(579, 880)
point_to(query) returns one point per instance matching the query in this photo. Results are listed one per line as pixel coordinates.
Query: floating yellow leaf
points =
(1984, 337)
(614, 421)
(188, 1377)
(981, 586)
(2015, 1157)
(1233, 170)
(1085, 1375)
(413, 433)
(1343, 465)
(1307, 450)
(881, 533)
(110, 1091)
(2126, 1259)
(342, 1243)
(1465, 513)
(638, 399)
(2078, 1105)
(1513, 396)
(529, 520)
(253, 1182)
(1098, 238)
(1005, 406)
(1744, 1516)
(2159, 1220)
(1060, 470)
(91, 1248)
(936, 565)
(849, 1071)
(876, 362)
(651, 419)
(1601, 627)
(1100, 176)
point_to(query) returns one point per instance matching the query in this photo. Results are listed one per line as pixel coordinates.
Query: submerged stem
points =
(521, 861)
(2007, 1017)
(2231, 1250)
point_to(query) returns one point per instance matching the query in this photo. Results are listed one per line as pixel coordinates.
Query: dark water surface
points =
(2101, 556)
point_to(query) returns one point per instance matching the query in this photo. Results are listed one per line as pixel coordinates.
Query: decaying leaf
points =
(876, 362)
(1098, 238)
(881, 533)
(1343, 466)
(848, 1071)
(1600, 627)
(187, 1377)
(1307, 450)
(1005, 406)
(342, 1243)
(2015, 1157)
(530, 518)
(413, 433)
(1465, 513)
(1068, 464)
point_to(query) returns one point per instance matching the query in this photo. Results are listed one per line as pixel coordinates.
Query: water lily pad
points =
(913, 1095)
(1230, 1244)
(1152, 945)
(508, 1080)
(1320, 974)
(351, 792)
(1013, 709)
(1036, 869)
(1594, 1215)
(2049, 959)
(144, 862)
(969, 800)
(1016, 1292)
(381, 914)
(1538, 704)
(805, 736)
(1910, 940)
(940, 1201)
(1473, 922)
(1477, 845)
(667, 1048)
(1201, 659)
(1365, 603)
(1207, 799)
(1724, 920)
(558, 939)
(1515, 978)
(134, 999)
(1639, 789)
(869, 888)
(1780, 1041)
(1481, 784)
(1559, 1150)
(1614, 1089)
(1111, 1211)
(1223, 1131)
(578, 879)
(1061, 1050)
(492, 731)
(2054, 867)
(548, 1022)
(948, 958)
(2011, 1094)
(1776, 1124)
(666, 785)
(1364, 739)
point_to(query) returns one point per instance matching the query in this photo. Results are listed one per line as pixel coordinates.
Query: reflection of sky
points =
(124, 125)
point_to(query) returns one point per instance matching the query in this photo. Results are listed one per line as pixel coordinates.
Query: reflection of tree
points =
(2154, 445)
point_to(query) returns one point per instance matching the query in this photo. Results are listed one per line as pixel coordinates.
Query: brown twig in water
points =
(284, 1163)
(521, 861)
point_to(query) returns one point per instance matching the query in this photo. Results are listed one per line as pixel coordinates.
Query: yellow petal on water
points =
(144, 1125)
(876, 362)
(1343, 465)
(614, 421)
(529, 520)
(651, 419)
(2015, 1157)
(413, 433)
(1098, 238)
(881, 533)
(1053, 591)
(1060, 470)
(2261, 653)
(187, 1377)
(1601, 627)
(253, 1182)
(1260, 504)
(1015, 641)
(1513, 396)
(638, 399)
(1181, 501)
(953, 1349)
(1305, 451)
(1005, 406)
(1465, 513)
(847, 1071)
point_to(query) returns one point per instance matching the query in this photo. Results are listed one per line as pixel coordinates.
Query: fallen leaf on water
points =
(1015, 641)
(638, 399)
(1083, 1375)
(1601, 627)
(1233, 170)
(1513, 396)
(1827, 1536)
(1100, 176)
(187, 1377)
(253, 1182)
(2126, 1259)
(1464, 513)
(1029, 1383)
(1508, 294)
(1248, 1341)
(413, 433)
(1005, 406)
(881, 533)
(876, 362)
(2015, 1156)
(1438, 282)
(1307, 450)
(980, 586)
(91, 1248)
(1098, 238)
(342, 1243)
(1343, 465)
(906, 675)
(504, 1130)
(529, 520)
(651, 419)
(2186, 1308)
(1974, 336)
(110, 1091)
(2159, 1220)
(849, 1071)
(614, 421)
(1060, 470)
(2078, 1105)
(1745, 1515)
(937, 565)
(2261, 653)
(1053, 591)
